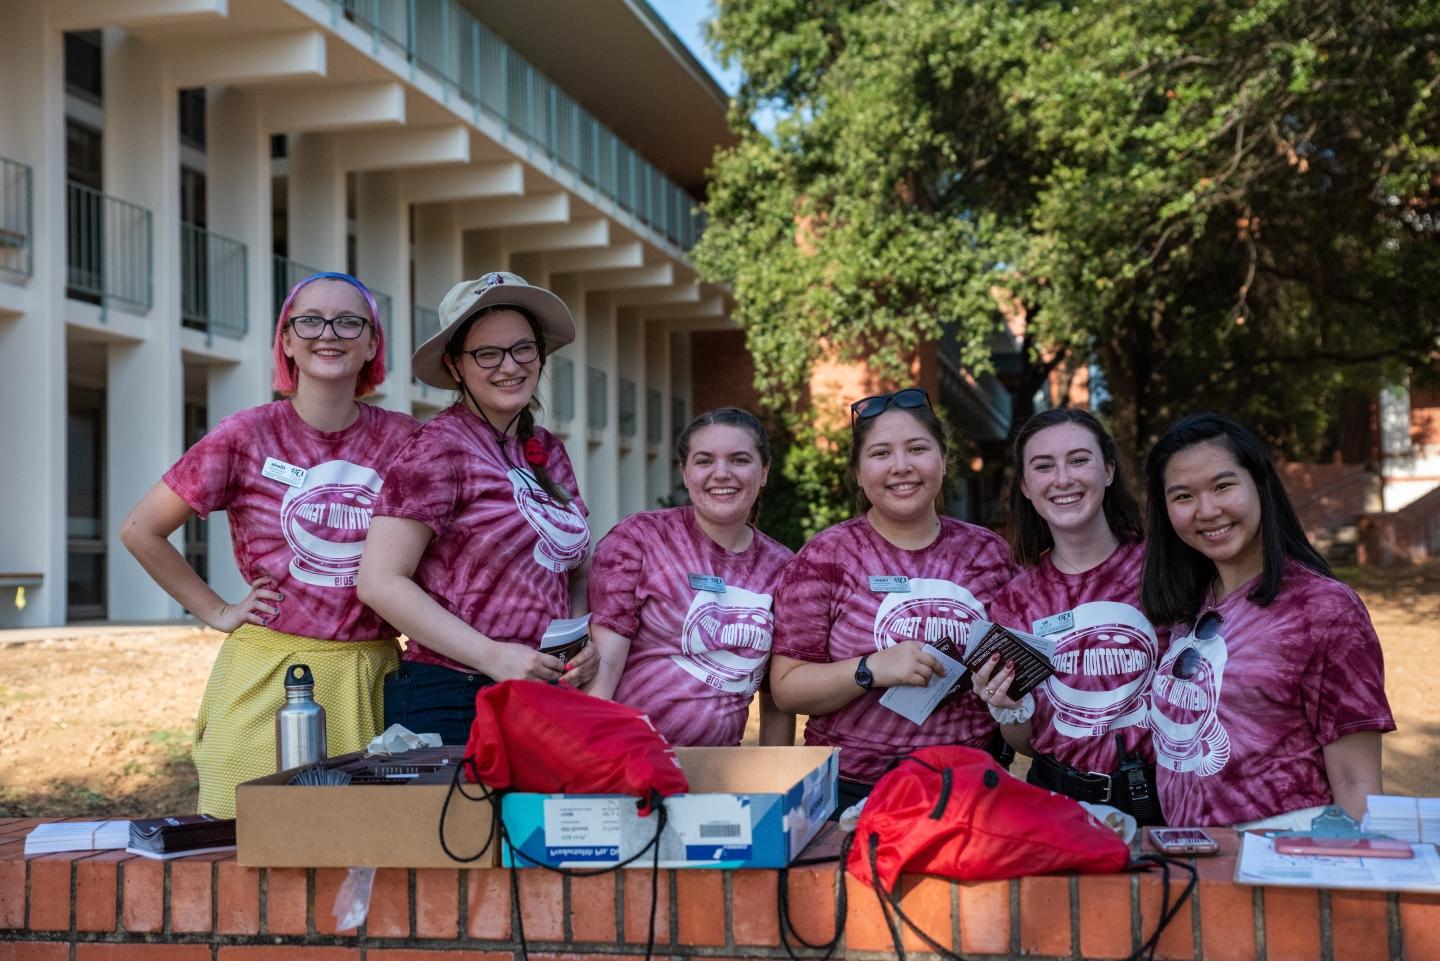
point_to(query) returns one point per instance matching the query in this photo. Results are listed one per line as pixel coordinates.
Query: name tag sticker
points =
(889, 583)
(1054, 624)
(283, 472)
(707, 582)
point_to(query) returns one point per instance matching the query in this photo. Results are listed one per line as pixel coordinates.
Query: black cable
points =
(842, 907)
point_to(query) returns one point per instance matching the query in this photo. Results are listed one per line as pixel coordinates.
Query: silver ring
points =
(987, 691)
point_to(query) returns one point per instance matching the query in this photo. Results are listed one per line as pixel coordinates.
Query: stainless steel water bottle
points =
(300, 722)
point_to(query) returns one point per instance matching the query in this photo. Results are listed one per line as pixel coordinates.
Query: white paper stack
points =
(77, 836)
(1413, 819)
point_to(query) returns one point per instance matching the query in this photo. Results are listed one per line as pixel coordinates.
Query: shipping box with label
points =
(748, 807)
(388, 818)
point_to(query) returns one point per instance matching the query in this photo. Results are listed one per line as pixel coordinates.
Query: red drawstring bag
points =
(553, 739)
(953, 812)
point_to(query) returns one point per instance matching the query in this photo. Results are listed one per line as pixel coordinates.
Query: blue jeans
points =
(427, 698)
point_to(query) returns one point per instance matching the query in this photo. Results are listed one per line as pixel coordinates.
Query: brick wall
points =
(112, 906)
(1410, 535)
(722, 373)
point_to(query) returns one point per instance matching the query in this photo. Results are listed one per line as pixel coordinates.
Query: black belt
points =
(1094, 787)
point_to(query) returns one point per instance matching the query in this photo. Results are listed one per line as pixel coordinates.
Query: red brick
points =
(190, 896)
(285, 952)
(1292, 924)
(1360, 924)
(19, 827)
(865, 928)
(12, 894)
(1045, 915)
(1227, 919)
(636, 886)
(755, 917)
(418, 954)
(142, 952)
(237, 899)
(1420, 926)
(926, 902)
(437, 903)
(698, 894)
(487, 904)
(389, 905)
(95, 886)
(50, 893)
(812, 903)
(143, 908)
(327, 886)
(285, 901)
(592, 908)
(542, 905)
(1177, 941)
(34, 951)
(985, 918)
(1105, 916)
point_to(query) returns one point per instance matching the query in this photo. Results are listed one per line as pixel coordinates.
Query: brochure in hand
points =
(566, 637)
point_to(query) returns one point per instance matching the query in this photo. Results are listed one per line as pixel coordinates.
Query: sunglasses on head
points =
(1187, 665)
(911, 398)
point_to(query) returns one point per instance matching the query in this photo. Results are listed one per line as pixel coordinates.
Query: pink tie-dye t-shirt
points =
(503, 549)
(697, 656)
(1241, 736)
(1105, 654)
(298, 501)
(826, 611)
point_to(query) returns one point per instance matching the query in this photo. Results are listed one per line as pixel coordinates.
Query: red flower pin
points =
(535, 452)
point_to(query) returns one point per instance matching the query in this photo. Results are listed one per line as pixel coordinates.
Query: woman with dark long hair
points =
(857, 606)
(681, 598)
(1075, 528)
(480, 537)
(1269, 701)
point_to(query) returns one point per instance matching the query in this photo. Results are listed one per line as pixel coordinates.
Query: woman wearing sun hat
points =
(296, 478)
(480, 531)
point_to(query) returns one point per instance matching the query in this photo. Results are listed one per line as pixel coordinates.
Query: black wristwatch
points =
(863, 677)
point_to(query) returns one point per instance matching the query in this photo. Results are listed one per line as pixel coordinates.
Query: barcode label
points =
(719, 830)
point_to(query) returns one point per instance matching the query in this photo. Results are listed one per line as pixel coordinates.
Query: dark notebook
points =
(188, 832)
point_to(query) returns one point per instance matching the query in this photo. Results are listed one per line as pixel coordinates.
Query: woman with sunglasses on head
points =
(1269, 701)
(1075, 528)
(297, 479)
(680, 599)
(480, 536)
(857, 606)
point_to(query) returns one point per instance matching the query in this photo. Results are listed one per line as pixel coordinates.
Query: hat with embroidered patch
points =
(496, 289)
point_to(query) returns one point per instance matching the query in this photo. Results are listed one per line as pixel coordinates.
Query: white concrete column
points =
(383, 259)
(680, 388)
(569, 289)
(657, 374)
(603, 495)
(315, 202)
(32, 338)
(145, 383)
(631, 366)
(238, 204)
(437, 253)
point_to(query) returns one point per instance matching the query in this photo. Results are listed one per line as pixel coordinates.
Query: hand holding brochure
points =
(915, 704)
(1030, 652)
(566, 637)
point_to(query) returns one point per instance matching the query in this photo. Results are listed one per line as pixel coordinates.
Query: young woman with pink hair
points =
(298, 479)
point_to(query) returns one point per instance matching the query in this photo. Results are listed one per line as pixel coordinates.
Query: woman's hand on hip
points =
(905, 665)
(256, 607)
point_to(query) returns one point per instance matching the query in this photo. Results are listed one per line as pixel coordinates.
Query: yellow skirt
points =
(235, 731)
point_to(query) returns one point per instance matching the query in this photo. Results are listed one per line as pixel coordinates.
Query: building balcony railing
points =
(16, 219)
(108, 249)
(214, 290)
(445, 40)
(424, 324)
(597, 399)
(284, 274)
(562, 373)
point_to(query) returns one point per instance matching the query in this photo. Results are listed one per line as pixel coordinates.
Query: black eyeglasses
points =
(346, 326)
(487, 358)
(911, 398)
(1187, 664)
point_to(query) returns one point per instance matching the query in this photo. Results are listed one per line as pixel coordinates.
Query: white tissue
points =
(397, 739)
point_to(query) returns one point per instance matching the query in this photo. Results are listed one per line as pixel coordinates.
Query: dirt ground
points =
(100, 723)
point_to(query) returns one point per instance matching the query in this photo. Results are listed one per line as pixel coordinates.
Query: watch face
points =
(863, 677)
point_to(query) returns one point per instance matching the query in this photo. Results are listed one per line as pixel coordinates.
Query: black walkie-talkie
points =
(1135, 784)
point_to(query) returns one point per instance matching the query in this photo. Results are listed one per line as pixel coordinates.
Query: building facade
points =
(173, 166)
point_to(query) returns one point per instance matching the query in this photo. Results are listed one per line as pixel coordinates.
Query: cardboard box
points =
(361, 825)
(748, 807)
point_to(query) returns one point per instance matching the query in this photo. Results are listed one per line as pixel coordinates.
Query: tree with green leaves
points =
(1233, 205)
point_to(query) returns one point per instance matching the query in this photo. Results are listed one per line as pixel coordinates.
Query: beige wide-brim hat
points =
(495, 289)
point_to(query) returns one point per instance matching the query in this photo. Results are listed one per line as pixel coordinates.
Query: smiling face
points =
(900, 467)
(723, 473)
(1214, 506)
(328, 357)
(1065, 478)
(501, 392)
